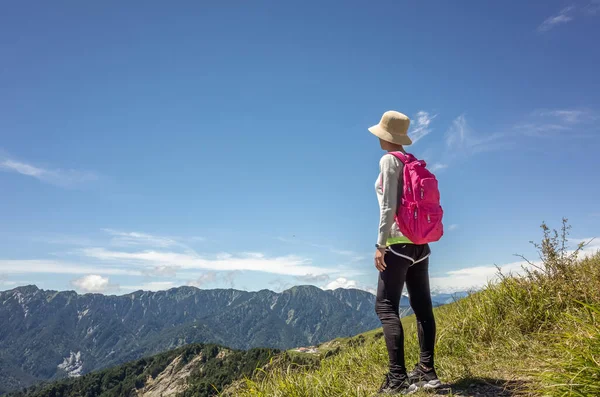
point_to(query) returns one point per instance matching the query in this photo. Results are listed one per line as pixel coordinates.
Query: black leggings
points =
(406, 263)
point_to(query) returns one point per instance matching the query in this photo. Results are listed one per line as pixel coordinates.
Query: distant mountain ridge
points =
(50, 334)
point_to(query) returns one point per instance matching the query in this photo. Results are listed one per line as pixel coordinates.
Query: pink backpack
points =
(419, 215)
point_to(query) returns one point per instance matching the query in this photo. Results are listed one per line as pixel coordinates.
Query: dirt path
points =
(482, 388)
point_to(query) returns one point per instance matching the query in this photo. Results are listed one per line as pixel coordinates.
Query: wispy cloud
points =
(437, 167)
(593, 8)
(94, 283)
(279, 284)
(462, 139)
(474, 278)
(313, 278)
(564, 16)
(125, 239)
(352, 256)
(452, 227)
(569, 14)
(421, 126)
(153, 258)
(162, 271)
(4, 282)
(49, 266)
(290, 265)
(150, 286)
(556, 122)
(57, 177)
(204, 279)
(569, 116)
(231, 276)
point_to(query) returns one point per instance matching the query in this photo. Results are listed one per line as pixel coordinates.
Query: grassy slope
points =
(535, 335)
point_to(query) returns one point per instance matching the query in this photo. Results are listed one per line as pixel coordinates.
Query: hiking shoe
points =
(394, 384)
(423, 377)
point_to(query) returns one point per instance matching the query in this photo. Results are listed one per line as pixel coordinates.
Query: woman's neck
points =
(398, 149)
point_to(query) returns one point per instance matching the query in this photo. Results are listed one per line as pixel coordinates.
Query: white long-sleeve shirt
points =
(388, 187)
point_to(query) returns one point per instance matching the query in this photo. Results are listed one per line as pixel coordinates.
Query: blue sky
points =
(150, 145)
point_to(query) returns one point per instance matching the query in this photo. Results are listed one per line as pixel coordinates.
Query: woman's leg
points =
(389, 291)
(417, 284)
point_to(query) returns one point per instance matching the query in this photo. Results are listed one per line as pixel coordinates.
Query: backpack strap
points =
(404, 158)
(407, 158)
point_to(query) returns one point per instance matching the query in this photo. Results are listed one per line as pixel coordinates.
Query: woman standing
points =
(399, 261)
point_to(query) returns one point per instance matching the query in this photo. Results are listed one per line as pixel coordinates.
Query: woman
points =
(399, 261)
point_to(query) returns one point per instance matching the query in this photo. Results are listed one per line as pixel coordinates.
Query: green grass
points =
(537, 335)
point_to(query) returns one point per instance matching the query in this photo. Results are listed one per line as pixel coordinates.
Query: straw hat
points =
(393, 128)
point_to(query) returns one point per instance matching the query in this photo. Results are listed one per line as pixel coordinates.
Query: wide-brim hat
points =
(393, 128)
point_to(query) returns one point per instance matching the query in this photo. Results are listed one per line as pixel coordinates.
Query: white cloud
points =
(421, 126)
(4, 282)
(460, 137)
(354, 256)
(312, 278)
(351, 256)
(462, 140)
(593, 8)
(471, 278)
(254, 255)
(58, 177)
(151, 286)
(557, 122)
(94, 283)
(23, 266)
(230, 277)
(370, 290)
(564, 16)
(280, 284)
(290, 265)
(165, 270)
(452, 227)
(127, 239)
(569, 14)
(592, 245)
(341, 282)
(541, 130)
(343, 252)
(474, 278)
(570, 116)
(203, 279)
(455, 136)
(437, 167)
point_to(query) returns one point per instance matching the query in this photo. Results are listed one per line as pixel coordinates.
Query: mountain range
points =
(47, 335)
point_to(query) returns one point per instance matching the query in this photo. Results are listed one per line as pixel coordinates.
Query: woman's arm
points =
(389, 172)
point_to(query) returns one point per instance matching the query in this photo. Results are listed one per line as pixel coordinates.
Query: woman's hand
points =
(379, 259)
